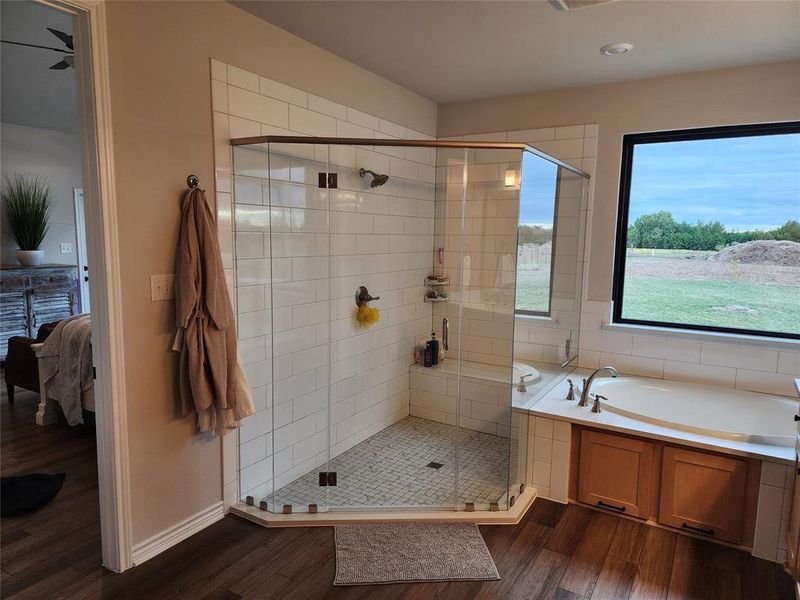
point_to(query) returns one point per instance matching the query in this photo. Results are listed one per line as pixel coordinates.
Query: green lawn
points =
(691, 291)
(669, 253)
(533, 288)
(743, 305)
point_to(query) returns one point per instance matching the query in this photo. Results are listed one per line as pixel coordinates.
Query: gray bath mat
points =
(410, 552)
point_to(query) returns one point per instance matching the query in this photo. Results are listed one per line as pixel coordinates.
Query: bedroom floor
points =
(556, 552)
(60, 543)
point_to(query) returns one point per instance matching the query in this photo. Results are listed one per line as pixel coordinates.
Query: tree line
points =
(533, 234)
(661, 230)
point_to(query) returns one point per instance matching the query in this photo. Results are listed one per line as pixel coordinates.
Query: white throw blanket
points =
(66, 364)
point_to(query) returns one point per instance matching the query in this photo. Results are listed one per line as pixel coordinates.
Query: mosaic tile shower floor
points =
(391, 469)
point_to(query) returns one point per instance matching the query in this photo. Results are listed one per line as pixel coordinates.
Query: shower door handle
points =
(445, 333)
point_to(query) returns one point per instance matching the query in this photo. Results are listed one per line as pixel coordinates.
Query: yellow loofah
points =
(367, 315)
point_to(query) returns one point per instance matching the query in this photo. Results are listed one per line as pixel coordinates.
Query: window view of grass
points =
(533, 269)
(537, 202)
(713, 236)
(676, 286)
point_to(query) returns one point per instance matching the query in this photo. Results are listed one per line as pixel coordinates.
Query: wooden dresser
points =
(31, 296)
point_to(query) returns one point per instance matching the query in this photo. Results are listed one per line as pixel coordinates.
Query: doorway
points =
(72, 36)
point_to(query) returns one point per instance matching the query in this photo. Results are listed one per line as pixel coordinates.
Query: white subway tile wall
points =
(380, 238)
(544, 339)
(548, 457)
(485, 255)
(772, 515)
(754, 366)
(485, 405)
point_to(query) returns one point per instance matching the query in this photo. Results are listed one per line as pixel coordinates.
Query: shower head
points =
(377, 179)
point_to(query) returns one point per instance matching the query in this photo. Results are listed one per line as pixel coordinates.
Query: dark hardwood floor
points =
(557, 552)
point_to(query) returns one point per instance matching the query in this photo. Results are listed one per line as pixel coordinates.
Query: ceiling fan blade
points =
(60, 66)
(64, 37)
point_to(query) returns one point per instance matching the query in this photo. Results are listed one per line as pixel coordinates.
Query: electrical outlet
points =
(161, 287)
(66, 248)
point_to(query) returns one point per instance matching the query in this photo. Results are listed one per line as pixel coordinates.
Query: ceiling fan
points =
(68, 62)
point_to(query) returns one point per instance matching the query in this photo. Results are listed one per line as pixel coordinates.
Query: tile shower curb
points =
(512, 516)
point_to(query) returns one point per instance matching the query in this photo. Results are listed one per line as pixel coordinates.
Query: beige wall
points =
(161, 109)
(769, 92)
(56, 156)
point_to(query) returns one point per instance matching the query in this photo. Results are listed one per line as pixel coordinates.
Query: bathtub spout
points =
(585, 395)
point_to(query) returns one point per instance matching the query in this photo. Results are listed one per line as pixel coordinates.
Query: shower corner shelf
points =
(431, 285)
(435, 283)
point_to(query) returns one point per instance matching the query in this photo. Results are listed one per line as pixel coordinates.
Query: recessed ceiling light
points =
(616, 48)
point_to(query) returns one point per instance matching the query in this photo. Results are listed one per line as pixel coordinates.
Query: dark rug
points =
(24, 493)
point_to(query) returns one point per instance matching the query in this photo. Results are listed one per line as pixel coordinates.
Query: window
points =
(708, 232)
(537, 197)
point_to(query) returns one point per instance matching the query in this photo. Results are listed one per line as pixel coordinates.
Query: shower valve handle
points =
(363, 296)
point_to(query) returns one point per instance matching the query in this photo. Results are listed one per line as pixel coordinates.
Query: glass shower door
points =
(346, 418)
(382, 231)
(301, 309)
(486, 273)
(254, 319)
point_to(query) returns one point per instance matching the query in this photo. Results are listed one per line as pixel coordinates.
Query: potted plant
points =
(27, 205)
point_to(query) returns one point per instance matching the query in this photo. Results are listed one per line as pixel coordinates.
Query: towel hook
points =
(192, 181)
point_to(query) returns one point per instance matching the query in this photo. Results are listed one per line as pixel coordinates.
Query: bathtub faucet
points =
(521, 385)
(585, 395)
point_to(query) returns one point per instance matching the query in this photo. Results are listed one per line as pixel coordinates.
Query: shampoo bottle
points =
(433, 344)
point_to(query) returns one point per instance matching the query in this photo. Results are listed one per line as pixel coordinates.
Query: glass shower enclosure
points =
(349, 416)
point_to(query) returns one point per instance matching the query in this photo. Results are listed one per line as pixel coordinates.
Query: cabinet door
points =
(49, 306)
(615, 473)
(13, 318)
(703, 493)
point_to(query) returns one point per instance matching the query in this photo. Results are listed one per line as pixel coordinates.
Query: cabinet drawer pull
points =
(611, 506)
(702, 530)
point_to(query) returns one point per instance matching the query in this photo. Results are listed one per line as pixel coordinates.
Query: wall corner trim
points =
(175, 534)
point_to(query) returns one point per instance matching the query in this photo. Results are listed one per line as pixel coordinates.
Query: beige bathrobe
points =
(212, 382)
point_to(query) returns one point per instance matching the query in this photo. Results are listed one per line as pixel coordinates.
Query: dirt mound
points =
(769, 252)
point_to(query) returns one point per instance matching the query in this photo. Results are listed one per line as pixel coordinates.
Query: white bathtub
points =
(712, 411)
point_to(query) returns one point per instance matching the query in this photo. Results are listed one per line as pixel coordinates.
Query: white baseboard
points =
(177, 533)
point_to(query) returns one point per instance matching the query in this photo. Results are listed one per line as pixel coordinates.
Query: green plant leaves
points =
(27, 202)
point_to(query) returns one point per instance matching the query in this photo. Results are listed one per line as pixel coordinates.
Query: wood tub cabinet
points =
(697, 492)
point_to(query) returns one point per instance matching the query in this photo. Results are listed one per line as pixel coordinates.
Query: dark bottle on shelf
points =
(433, 344)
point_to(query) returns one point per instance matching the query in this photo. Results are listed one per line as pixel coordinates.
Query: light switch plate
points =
(66, 248)
(161, 287)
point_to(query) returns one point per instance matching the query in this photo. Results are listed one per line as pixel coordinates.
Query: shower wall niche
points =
(346, 420)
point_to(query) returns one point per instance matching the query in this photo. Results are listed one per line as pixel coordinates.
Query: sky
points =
(537, 191)
(746, 183)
